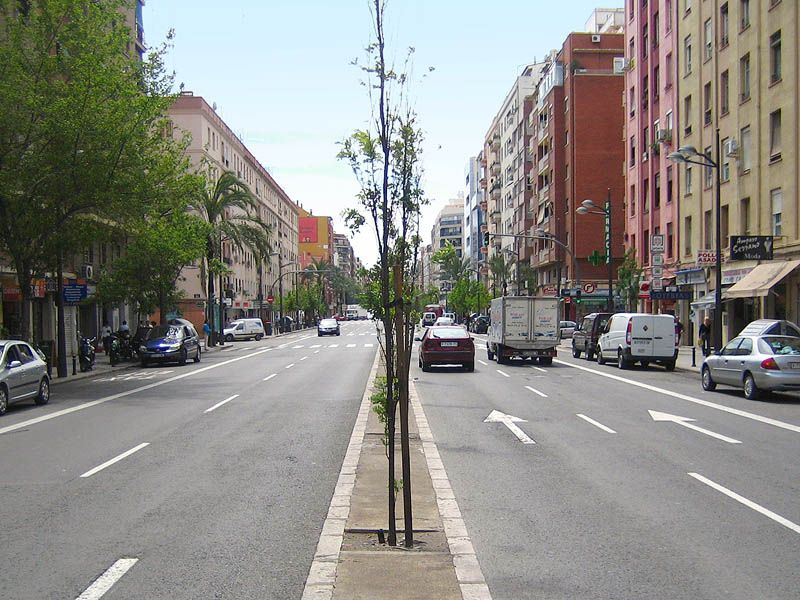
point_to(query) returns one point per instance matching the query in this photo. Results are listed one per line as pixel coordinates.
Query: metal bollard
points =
(74, 368)
(694, 356)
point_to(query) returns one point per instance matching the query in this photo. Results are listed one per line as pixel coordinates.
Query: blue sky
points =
(281, 76)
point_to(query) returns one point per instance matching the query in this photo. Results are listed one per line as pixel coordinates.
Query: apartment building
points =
(447, 229)
(315, 235)
(738, 86)
(575, 128)
(343, 255)
(474, 223)
(505, 148)
(651, 112)
(214, 149)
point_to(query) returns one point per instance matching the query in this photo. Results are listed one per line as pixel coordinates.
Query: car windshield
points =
(166, 332)
(327, 323)
(782, 345)
(449, 333)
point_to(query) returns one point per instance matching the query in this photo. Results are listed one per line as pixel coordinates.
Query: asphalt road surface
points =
(610, 501)
(207, 480)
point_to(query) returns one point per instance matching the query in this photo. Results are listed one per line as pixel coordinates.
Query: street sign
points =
(270, 299)
(658, 272)
(589, 288)
(751, 247)
(596, 258)
(656, 285)
(74, 293)
(657, 260)
(657, 243)
(671, 295)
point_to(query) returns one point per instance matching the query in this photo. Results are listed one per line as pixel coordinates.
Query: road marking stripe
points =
(748, 503)
(333, 345)
(149, 386)
(535, 391)
(652, 388)
(289, 366)
(305, 357)
(316, 346)
(298, 346)
(216, 406)
(351, 345)
(316, 351)
(115, 460)
(502, 373)
(369, 345)
(540, 369)
(596, 424)
(103, 583)
(485, 364)
(268, 377)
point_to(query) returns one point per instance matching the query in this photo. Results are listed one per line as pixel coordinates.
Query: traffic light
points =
(578, 296)
(486, 239)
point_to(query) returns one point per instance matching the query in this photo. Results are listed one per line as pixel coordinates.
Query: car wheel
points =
(3, 400)
(469, 367)
(419, 362)
(645, 363)
(600, 359)
(589, 354)
(43, 397)
(229, 338)
(197, 356)
(489, 353)
(621, 362)
(183, 357)
(751, 391)
(709, 384)
(258, 337)
(670, 366)
(546, 361)
(575, 352)
(425, 366)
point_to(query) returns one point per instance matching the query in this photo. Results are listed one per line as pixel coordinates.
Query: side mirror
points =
(417, 338)
(14, 364)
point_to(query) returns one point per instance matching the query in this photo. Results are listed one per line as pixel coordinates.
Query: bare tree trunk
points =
(61, 335)
(402, 396)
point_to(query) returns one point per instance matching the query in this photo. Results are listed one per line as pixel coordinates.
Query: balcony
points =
(484, 205)
(494, 169)
(543, 195)
(494, 216)
(542, 132)
(544, 162)
(494, 192)
(494, 144)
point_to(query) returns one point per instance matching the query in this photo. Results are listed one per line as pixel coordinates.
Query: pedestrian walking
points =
(124, 328)
(678, 329)
(705, 336)
(105, 335)
(206, 331)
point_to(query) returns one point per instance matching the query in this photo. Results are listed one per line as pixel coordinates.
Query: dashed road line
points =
(333, 345)
(216, 406)
(116, 459)
(289, 366)
(369, 345)
(503, 373)
(485, 364)
(298, 346)
(268, 377)
(316, 346)
(104, 583)
(540, 369)
(535, 391)
(351, 345)
(305, 357)
(595, 423)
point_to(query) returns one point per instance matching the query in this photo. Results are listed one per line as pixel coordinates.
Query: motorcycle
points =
(121, 348)
(86, 354)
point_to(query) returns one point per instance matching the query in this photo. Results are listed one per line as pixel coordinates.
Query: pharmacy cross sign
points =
(596, 258)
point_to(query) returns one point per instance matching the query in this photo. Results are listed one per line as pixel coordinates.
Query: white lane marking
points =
(298, 346)
(351, 334)
(485, 364)
(596, 424)
(535, 391)
(369, 345)
(509, 421)
(748, 503)
(351, 345)
(289, 366)
(333, 345)
(362, 334)
(305, 357)
(502, 373)
(684, 422)
(540, 369)
(316, 346)
(116, 459)
(652, 388)
(268, 377)
(216, 406)
(283, 345)
(316, 351)
(149, 386)
(112, 575)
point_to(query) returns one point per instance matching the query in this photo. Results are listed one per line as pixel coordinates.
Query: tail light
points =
(628, 332)
(677, 334)
(769, 364)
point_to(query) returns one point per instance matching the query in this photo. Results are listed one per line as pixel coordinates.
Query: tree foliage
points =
(452, 267)
(629, 275)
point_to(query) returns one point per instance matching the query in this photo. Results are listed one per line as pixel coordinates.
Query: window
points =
(775, 135)
(688, 180)
(708, 40)
(668, 22)
(708, 172)
(725, 168)
(775, 56)
(646, 196)
(668, 83)
(633, 151)
(687, 114)
(645, 38)
(657, 190)
(724, 25)
(632, 49)
(646, 247)
(723, 226)
(630, 12)
(687, 236)
(687, 6)
(670, 240)
(724, 93)
(632, 100)
(776, 204)
(656, 81)
(744, 76)
(708, 235)
(687, 55)
(744, 216)
(669, 184)
(745, 150)
(707, 104)
(633, 200)
(655, 30)
(744, 10)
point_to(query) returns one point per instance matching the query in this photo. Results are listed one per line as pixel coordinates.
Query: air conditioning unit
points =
(663, 135)
(595, 39)
(731, 148)
(620, 64)
(87, 272)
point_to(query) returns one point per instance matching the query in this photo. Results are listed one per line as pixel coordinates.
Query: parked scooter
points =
(121, 348)
(86, 354)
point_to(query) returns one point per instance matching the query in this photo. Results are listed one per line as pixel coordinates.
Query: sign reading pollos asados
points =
(751, 247)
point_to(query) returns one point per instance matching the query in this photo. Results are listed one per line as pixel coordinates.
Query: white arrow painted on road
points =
(508, 420)
(684, 421)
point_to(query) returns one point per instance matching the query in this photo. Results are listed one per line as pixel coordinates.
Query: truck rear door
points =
(641, 335)
(663, 335)
(517, 320)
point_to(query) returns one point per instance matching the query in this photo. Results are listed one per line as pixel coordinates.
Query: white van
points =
(632, 337)
(242, 329)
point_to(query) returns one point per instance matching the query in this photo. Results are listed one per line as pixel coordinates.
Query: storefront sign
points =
(690, 277)
(11, 293)
(751, 247)
(706, 258)
(75, 292)
(733, 275)
(665, 295)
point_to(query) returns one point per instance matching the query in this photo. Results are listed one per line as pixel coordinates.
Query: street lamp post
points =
(585, 209)
(689, 154)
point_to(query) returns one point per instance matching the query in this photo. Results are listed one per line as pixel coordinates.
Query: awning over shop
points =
(705, 302)
(761, 279)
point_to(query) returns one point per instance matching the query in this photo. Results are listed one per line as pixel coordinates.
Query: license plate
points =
(794, 365)
(449, 344)
(640, 342)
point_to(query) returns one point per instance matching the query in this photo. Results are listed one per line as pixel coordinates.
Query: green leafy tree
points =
(629, 275)
(451, 266)
(500, 267)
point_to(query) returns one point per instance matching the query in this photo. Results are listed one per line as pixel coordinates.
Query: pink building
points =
(651, 114)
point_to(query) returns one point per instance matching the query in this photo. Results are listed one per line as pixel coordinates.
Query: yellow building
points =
(738, 75)
(315, 237)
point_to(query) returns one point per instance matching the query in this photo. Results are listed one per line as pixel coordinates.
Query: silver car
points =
(23, 374)
(755, 363)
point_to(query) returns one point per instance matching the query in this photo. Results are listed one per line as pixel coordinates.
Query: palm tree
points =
(231, 209)
(500, 267)
(316, 271)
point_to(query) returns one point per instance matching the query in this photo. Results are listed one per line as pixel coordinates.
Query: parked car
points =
(443, 321)
(587, 334)
(447, 345)
(632, 337)
(174, 342)
(755, 363)
(428, 319)
(23, 375)
(328, 327)
(243, 329)
(451, 316)
(285, 323)
(566, 329)
(771, 327)
(480, 324)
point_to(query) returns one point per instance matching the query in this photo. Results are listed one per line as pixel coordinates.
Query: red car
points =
(447, 345)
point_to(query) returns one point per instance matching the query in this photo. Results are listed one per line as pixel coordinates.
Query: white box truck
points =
(523, 327)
